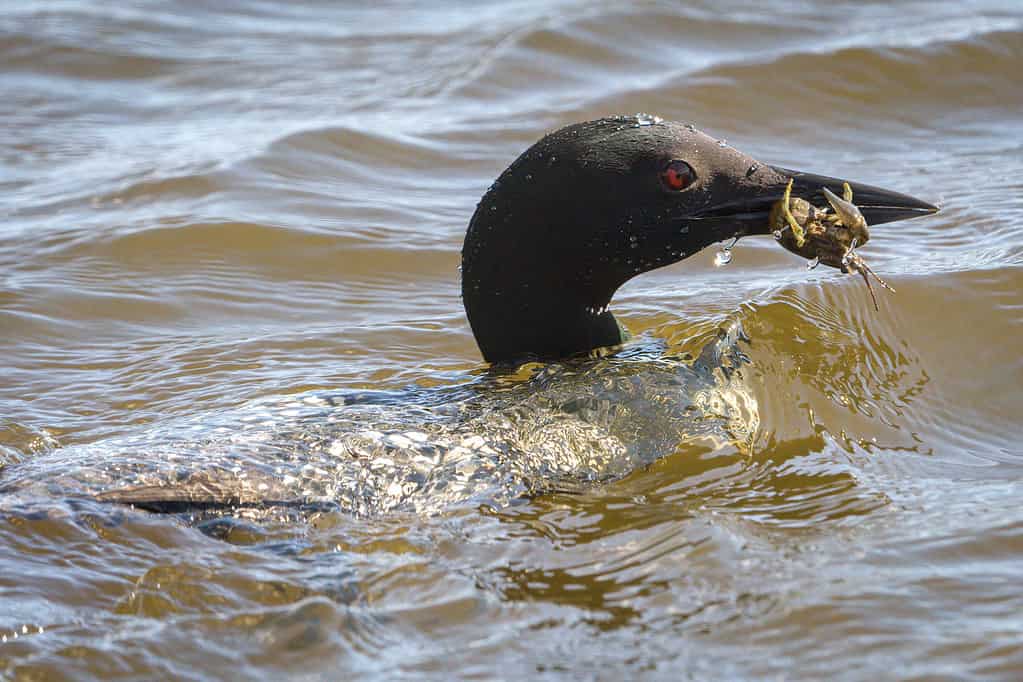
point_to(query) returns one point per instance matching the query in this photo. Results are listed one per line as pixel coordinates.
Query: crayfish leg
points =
(797, 229)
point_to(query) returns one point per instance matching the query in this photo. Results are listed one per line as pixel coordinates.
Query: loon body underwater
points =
(567, 401)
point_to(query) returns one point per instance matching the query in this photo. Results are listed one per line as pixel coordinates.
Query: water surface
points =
(211, 211)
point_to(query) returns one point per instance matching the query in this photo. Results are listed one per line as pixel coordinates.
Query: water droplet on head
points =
(777, 234)
(722, 143)
(690, 126)
(647, 119)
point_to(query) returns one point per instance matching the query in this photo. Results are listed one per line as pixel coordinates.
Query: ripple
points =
(213, 214)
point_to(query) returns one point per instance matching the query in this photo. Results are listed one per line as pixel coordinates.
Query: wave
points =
(889, 89)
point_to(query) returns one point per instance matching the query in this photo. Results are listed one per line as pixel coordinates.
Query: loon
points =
(582, 211)
(594, 204)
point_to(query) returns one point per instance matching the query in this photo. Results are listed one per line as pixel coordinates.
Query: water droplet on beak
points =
(724, 256)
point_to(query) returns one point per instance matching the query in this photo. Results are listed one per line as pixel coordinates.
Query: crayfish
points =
(825, 236)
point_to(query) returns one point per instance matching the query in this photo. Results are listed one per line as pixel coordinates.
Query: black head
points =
(594, 204)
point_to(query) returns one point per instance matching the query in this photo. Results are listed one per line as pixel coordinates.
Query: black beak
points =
(747, 209)
(877, 205)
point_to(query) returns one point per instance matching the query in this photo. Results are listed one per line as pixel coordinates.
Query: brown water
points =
(230, 235)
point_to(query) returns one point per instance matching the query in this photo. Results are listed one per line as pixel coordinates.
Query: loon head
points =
(594, 204)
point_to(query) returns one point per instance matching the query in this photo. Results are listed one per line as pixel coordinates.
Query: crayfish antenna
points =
(863, 271)
(853, 261)
(876, 276)
(856, 263)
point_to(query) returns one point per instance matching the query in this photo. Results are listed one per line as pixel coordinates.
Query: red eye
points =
(677, 175)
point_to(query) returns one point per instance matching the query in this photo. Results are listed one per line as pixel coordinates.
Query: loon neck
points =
(520, 324)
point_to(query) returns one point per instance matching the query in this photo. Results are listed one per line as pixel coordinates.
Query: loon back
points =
(565, 426)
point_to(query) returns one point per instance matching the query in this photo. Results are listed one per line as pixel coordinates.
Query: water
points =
(214, 214)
